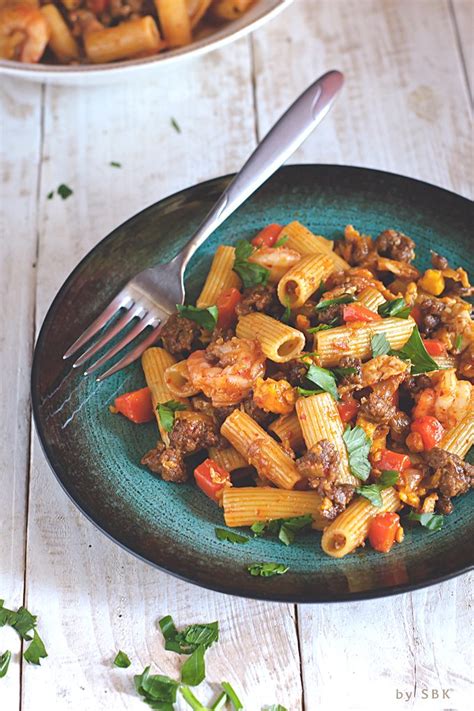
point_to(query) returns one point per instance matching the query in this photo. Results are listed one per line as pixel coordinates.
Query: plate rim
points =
(271, 596)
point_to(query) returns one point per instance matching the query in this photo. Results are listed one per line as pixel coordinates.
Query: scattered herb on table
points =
(175, 125)
(275, 707)
(250, 273)
(431, 521)
(122, 660)
(35, 650)
(358, 447)
(205, 317)
(23, 622)
(372, 492)
(415, 351)
(115, 164)
(64, 191)
(397, 307)
(156, 688)
(232, 696)
(193, 670)
(4, 662)
(380, 345)
(267, 570)
(189, 639)
(166, 413)
(50, 195)
(224, 535)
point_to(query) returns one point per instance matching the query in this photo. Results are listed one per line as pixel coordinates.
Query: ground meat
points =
(222, 335)
(438, 261)
(352, 378)
(399, 426)
(320, 467)
(456, 476)
(294, 372)
(179, 335)
(444, 506)
(354, 250)
(167, 462)
(260, 298)
(416, 384)
(455, 288)
(263, 418)
(430, 315)
(395, 245)
(377, 408)
(466, 363)
(331, 315)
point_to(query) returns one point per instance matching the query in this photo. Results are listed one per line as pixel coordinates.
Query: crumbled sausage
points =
(260, 298)
(294, 372)
(430, 315)
(399, 426)
(351, 378)
(354, 248)
(331, 314)
(438, 261)
(466, 363)
(455, 475)
(395, 245)
(167, 462)
(179, 335)
(377, 408)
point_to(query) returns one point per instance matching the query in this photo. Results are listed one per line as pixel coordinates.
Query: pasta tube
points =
(123, 41)
(297, 285)
(155, 361)
(230, 9)
(220, 277)
(174, 21)
(304, 241)
(461, 438)
(61, 40)
(229, 458)
(177, 380)
(244, 506)
(319, 419)
(356, 340)
(287, 429)
(371, 298)
(350, 529)
(260, 450)
(279, 342)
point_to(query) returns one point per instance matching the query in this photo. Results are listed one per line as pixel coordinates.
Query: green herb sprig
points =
(397, 307)
(250, 273)
(358, 446)
(372, 492)
(166, 413)
(205, 317)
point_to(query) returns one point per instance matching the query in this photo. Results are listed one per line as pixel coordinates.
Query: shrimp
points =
(227, 370)
(24, 33)
(276, 259)
(449, 400)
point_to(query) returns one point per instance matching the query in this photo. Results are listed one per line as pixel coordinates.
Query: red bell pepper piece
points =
(226, 304)
(268, 236)
(382, 531)
(415, 313)
(348, 409)
(430, 429)
(359, 312)
(393, 461)
(212, 478)
(136, 406)
(434, 347)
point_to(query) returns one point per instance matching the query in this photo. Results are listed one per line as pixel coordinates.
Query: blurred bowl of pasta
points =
(100, 41)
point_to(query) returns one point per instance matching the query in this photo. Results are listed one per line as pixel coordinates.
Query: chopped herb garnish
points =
(275, 707)
(431, 521)
(344, 299)
(259, 527)
(192, 701)
(285, 528)
(358, 446)
(219, 702)
(267, 570)
(250, 273)
(224, 535)
(4, 662)
(166, 412)
(458, 342)
(193, 670)
(344, 372)
(320, 327)
(415, 351)
(397, 307)
(324, 379)
(64, 191)
(23, 622)
(372, 492)
(281, 241)
(50, 195)
(205, 317)
(121, 660)
(175, 125)
(380, 345)
(189, 639)
(156, 688)
(232, 696)
(304, 392)
(287, 312)
(115, 164)
(35, 650)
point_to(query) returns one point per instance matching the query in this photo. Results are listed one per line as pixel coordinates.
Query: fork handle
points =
(279, 144)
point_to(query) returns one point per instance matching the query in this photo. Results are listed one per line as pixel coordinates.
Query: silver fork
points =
(151, 296)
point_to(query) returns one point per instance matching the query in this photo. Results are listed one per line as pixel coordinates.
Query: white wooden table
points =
(405, 109)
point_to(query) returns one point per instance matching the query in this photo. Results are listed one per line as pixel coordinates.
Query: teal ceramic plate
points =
(96, 455)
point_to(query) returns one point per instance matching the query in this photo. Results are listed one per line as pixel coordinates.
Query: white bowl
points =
(256, 16)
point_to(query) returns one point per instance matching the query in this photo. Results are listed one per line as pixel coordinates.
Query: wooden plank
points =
(463, 13)
(21, 116)
(404, 109)
(93, 597)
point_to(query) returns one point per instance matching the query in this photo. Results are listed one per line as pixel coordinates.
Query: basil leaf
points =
(24, 623)
(35, 650)
(324, 379)
(431, 521)
(415, 351)
(190, 638)
(358, 446)
(267, 570)
(193, 670)
(372, 493)
(320, 327)
(192, 701)
(64, 191)
(232, 696)
(121, 660)
(156, 688)
(388, 477)
(281, 241)
(380, 345)
(202, 634)
(250, 273)
(223, 535)
(4, 662)
(344, 299)
(291, 526)
(397, 307)
(258, 527)
(166, 412)
(207, 318)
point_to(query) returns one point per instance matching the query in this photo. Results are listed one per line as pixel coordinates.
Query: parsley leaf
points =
(175, 125)
(207, 318)
(115, 164)
(122, 660)
(324, 379)
(156, 688)
(250, 273)
(344, 299)
(397, 307)
(193, 670)
(232, 696)
(415, 351)
(267, 570)
(4, 662)
(166, 411)
(190, 638)
(372, 492)
(431, 521)
(358, 446)
(64, 191)
(35, 650)
(223, 535)
(281, 241)
(320, 327)
(380, 345)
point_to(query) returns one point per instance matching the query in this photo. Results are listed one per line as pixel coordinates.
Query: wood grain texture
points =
(94, 597)
(463, 11)
(21, 115)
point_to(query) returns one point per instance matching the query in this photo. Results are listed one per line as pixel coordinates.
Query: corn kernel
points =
(432, 281)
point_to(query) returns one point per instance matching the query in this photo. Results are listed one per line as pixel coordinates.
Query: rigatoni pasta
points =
(300, 282)
(371, 298)
(155, 362)
(229, 458)
(178, 382)
(288, 430)
(460, 439)
(220, 277)
(244, 506)
(279, 342)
